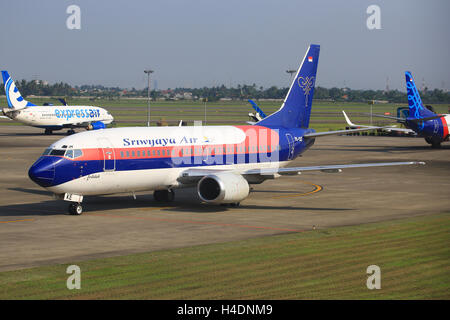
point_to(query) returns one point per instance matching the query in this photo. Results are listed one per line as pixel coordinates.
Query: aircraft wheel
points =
(71, 131)
(235, 204)
(436, 145)
(170, 195)
(75, 209)
(48, 131)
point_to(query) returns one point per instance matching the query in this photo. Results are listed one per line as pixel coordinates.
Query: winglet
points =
(347, 119)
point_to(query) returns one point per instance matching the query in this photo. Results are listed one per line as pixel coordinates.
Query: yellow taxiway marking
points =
(316, 186)
(11, 221)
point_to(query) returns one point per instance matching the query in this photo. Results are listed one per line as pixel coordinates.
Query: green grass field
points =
(413, 254)
(133, 112)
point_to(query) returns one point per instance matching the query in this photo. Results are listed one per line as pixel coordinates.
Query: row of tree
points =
(241, 92)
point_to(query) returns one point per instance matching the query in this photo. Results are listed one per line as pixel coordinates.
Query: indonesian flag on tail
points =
(310, 59)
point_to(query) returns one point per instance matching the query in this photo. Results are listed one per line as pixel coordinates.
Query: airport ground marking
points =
(318, 188)
(195, 222)
(12, 221)
(51, 211)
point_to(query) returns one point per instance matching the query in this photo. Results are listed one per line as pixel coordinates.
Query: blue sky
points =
(195, 43)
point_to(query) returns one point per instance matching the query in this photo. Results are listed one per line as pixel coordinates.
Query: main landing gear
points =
(164, 195)
(232, 205)
(75, 209)
(71, 131)
(435, 143)
(48, 131)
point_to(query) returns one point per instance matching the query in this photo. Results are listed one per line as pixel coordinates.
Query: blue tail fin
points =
(416, 108)
(296, 109)
(13, 96)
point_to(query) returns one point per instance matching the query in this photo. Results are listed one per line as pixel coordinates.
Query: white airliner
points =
(221, 161)
(52, 118)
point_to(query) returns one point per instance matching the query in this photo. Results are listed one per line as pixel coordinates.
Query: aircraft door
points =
(109, 157)
(291, 146)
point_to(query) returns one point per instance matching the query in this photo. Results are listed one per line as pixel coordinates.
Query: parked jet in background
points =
(427, 124)
(49, 117)
(258, 115)
(221, 161)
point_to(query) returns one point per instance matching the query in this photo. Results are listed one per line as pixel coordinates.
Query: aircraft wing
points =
(191, 176)
(4, 117)
(327, 168)
(403, 119)
(329, 133)
(352, 125)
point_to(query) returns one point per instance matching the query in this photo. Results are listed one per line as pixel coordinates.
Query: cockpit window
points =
(57, 152)
(73, 153)
(77, 153)
(69, 153)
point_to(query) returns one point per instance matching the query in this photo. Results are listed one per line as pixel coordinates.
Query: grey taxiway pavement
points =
(36, 230)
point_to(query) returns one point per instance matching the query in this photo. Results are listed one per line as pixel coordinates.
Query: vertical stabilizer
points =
(296, 109)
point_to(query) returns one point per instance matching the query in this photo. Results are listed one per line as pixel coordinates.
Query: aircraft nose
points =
(42, 171)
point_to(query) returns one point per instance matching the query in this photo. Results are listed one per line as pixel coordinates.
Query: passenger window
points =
(128, 154)
(139, 154)
(133, 154)
(121, 154)
(159, 153)
(148, 153)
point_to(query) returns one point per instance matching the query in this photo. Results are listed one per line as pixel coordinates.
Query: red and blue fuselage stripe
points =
(55, 170)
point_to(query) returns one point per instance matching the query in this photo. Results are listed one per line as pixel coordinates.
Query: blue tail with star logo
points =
(296, 109)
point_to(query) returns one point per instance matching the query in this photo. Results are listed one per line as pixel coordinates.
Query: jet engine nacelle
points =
(224, 187)
(96, 125)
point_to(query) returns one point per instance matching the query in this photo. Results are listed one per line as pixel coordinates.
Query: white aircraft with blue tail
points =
(52, 118)
(220, 161)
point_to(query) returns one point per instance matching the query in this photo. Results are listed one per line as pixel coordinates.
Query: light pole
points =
(371, 102)
(291, 72)
(205, 100)
(148, 72)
